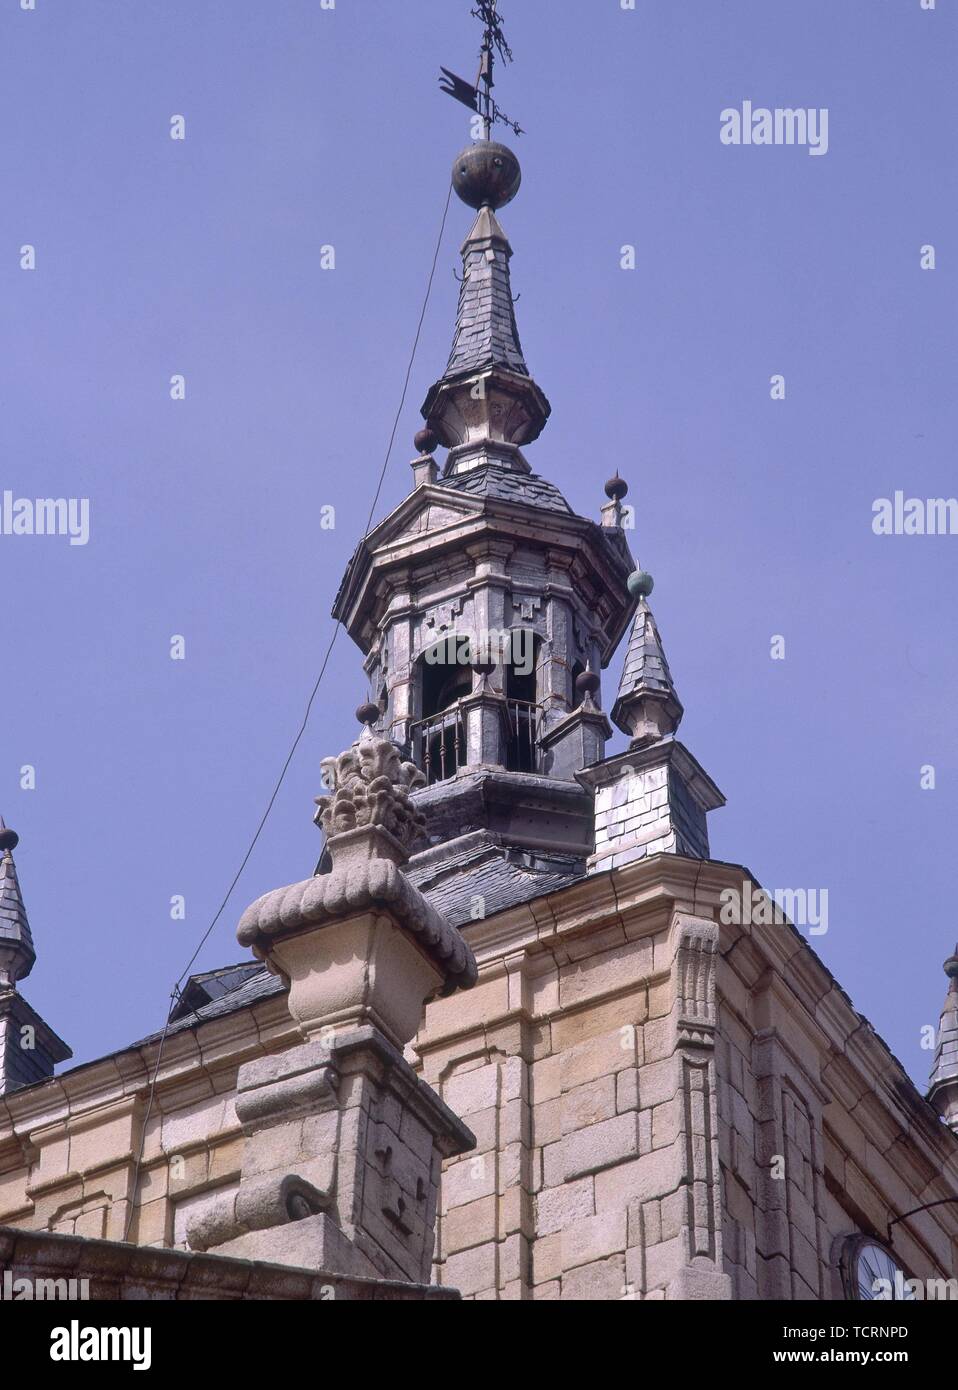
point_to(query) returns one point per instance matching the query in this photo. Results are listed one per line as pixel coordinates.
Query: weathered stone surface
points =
(653, 1174)
(466, 1226)
(471, 1271)
(558, 1207)
(473, 1090)
(603, 1280)
(467, 1181)
(599, 1146)
(597, 1057)
(592, 1238)
(588, 1104)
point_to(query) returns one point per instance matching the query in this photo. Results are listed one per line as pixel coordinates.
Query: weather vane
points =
(478, 95)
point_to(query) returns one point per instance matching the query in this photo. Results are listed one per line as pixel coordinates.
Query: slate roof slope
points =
(486, 333)
(213, 984)
(451, 887)
(502, 879)
(257, 984)
(508, 486)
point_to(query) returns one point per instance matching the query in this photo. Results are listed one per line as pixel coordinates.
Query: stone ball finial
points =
(486, 174)
(951, 966)
(616, 488)
(368, 713)
(586, 683)
(426, 440)
(9, 839)
(640, 583)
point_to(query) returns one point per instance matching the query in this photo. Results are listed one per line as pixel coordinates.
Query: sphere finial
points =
(640, 583)
(486, 174)
(9, 839)
(586, 683)
(426, 441)
(368, 713)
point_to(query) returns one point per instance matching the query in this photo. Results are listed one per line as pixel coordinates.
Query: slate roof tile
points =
(509, 486)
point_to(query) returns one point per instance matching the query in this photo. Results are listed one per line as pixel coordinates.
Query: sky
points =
(308, 127)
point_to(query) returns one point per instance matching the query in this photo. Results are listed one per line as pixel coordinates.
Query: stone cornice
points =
(666, 750)
(577, 540)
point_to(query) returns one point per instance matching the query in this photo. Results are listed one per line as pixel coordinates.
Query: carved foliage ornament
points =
(370, 786)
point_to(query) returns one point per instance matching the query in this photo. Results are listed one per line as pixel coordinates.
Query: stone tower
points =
(484, 606)
(29, 1049)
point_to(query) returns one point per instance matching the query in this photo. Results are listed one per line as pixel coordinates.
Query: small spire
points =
(486, 407)
(20, 1065)
(943, 1091)
(647, 705)
(17, 955)
(486, 331)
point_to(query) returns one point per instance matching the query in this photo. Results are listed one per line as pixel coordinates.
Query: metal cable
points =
(175, 992)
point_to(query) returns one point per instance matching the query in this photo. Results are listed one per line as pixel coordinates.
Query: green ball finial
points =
(640, 583)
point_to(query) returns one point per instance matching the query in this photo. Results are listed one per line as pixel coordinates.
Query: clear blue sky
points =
(308, 127)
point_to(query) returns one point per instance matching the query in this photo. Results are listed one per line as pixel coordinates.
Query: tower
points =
(486, 609)
(484, 606)
(29, 1049)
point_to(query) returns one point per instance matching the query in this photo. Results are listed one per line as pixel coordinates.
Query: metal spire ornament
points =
(478, 95)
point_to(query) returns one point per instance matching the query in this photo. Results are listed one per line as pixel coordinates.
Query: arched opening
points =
(439, 736)
(521, 688)
(445, 676)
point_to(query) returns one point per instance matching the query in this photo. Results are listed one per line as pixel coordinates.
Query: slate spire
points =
(17, 955)
(486, 333)
(647, 706)
(943, 1091)
(485, 406)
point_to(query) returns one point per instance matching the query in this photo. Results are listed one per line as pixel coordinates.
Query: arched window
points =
(439, 737)
(445, 678)
(521, 682)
